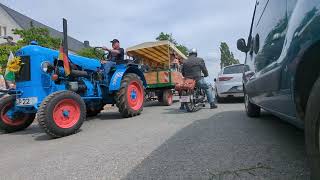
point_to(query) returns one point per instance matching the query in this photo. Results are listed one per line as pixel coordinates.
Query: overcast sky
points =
(200, 24)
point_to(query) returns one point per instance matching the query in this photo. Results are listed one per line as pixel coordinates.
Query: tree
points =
(91, 53)
(227, 57)
(41, 35)
(168, 37)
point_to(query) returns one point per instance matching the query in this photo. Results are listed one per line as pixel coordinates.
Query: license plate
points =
(185, 99)
(26, 101)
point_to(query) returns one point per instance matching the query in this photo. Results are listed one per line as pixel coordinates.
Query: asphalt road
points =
(162, 143)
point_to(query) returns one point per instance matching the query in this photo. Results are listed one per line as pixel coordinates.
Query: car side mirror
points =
(241, 45)
(215, 80)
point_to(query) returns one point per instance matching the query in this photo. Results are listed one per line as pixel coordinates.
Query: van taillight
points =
(225, 78)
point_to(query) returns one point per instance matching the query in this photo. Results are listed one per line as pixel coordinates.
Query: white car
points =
(229, 82)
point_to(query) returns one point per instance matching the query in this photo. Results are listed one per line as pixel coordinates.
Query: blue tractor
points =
(61, 103)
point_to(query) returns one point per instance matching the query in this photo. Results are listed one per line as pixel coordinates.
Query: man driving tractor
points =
(192, 69)
(115, 56)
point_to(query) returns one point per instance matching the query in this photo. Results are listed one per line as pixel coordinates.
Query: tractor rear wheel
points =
(130, 98)
(167, 97)
(61, 114)
(15, 121)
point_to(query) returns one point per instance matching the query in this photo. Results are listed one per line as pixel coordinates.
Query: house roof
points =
(25, 23)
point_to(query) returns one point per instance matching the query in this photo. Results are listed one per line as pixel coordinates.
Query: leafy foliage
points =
(41, 35)
(91, 53)
(168, 37)
(227, 57)
(4, 54)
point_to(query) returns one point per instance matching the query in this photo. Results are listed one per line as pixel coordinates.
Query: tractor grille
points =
(24, 73)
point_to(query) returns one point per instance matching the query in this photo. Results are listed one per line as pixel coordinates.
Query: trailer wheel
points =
(130, 98)
(160, 97)
(312, 130)
(167, 97)
(13, 122)
(61, 114)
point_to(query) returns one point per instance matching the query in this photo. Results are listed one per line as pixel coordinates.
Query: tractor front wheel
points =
(13, 121)
(61, 114)
(130, 98)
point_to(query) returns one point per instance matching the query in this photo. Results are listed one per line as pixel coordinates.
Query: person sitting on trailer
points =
(115, 56)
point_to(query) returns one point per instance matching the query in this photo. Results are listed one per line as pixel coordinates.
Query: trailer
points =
(160, 74)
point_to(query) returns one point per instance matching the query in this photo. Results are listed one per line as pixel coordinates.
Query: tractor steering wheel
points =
(99, 52)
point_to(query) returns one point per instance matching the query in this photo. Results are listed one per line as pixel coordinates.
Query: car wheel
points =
(252, 110)
(312, 130)
(218, 98)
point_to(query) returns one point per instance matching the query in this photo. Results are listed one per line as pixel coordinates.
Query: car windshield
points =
(234, 69)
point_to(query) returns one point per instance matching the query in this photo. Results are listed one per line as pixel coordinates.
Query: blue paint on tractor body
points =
(40, 85)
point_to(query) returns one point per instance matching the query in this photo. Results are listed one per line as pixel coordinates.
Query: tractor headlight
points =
(45, 66)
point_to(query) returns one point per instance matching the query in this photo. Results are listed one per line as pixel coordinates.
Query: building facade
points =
(11, 19)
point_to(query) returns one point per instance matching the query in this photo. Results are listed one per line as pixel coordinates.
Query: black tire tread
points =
(312, 123)
(253, 110)
(125, 111)
(165, 95)
(41, 114)
(10, 129)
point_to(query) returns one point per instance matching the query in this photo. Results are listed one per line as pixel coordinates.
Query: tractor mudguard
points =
(121, 70)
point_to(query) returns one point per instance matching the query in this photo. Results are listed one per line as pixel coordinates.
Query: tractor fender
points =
(118, 75)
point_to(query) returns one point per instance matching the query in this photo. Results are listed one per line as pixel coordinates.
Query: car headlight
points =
(45, 66)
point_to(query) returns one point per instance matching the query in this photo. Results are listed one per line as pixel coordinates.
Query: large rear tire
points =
(312, 130)
(14, 122)
(167, 97)
(61, 114)
(130, 98)
(252, 110)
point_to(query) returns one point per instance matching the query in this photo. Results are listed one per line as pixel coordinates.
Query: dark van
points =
(283, 57)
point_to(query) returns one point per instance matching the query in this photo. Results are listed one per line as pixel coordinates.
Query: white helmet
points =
(193, 51)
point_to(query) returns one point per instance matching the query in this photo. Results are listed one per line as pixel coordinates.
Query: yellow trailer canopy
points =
(155, 52)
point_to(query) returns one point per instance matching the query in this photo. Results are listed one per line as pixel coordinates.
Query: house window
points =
(4, 31)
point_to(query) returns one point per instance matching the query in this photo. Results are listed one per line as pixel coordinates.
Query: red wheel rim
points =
(66, 113)
(12, 121)
(135, 95)
(170, 98)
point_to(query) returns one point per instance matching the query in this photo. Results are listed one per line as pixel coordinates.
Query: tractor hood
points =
(51, 55)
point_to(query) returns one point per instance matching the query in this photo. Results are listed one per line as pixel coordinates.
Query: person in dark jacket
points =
(115, 56)
(193, 68)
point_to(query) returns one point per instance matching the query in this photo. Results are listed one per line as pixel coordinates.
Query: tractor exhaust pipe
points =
(65, 36)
